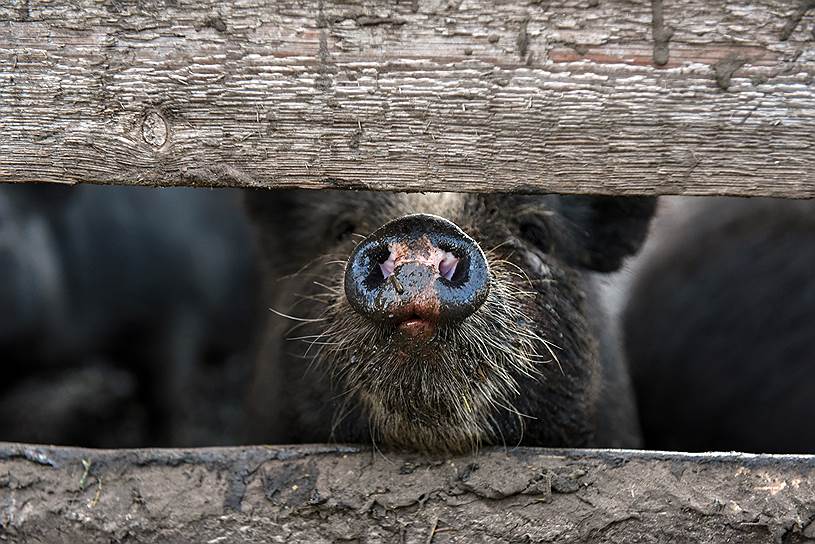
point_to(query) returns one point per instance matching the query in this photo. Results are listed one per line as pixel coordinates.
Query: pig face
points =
(436, 322)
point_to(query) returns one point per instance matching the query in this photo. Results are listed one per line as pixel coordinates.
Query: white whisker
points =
(304, 320)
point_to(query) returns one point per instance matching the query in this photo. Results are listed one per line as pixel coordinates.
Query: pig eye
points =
(343, 229)
(537, 233)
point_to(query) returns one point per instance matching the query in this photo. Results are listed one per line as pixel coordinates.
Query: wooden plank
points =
(680, 97)
(318, 494)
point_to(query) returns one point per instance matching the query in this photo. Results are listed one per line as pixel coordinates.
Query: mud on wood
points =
(332, 493)
(687, 96)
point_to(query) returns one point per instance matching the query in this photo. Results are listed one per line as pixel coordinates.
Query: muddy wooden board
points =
(319, 494)
(687, 96)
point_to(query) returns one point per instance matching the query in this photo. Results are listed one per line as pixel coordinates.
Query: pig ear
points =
(603, 230)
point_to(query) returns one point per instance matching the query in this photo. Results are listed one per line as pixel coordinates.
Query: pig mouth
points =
(416, 329)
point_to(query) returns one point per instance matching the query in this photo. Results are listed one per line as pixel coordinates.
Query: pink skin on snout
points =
(425, 306)
(443, 262)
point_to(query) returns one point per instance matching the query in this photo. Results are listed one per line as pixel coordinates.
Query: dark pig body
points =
(153, 279)
(719, 327)
(442, 322)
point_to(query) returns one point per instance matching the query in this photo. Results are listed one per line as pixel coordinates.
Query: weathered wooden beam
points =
(320, 494)
(679, 97)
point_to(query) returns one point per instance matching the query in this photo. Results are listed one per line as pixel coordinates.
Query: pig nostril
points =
(448, 266)
(388, 265)
(455, 264)
(381, 266)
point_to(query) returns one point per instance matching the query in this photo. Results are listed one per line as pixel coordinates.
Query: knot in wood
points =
(154, 129)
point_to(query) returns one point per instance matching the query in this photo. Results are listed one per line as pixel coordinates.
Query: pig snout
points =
(416, 272)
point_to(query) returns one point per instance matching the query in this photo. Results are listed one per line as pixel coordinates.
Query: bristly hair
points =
(441, 396)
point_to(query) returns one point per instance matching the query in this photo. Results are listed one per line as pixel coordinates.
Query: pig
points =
(442, 323)
(155, 280)
(718, 327)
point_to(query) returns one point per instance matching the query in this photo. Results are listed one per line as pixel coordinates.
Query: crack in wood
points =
(725, 69)
(216, 23)
(795, 19)
(523, 39)
(366, 20)
(324, 80)
(24, 11)
(662, 34)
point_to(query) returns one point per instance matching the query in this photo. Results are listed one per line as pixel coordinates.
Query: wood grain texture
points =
(614, 97)
(323, 494)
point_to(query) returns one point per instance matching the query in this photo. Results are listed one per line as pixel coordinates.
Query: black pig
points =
(442, 322)
(153, 279)
(719, 327)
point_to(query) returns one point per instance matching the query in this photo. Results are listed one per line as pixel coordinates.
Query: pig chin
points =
(416, 342)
